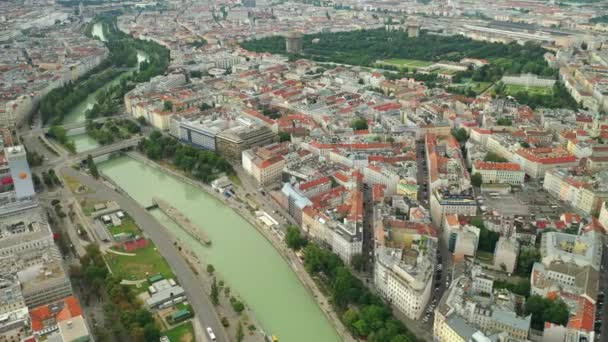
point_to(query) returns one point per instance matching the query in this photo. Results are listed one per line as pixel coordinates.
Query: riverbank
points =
(288, 256)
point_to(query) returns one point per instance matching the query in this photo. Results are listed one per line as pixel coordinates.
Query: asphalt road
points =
(442, 276)
(203, 308)
(602, 309)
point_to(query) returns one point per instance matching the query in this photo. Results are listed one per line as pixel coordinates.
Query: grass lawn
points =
(147, 261)
(72, 183)
(128, 226)
(407, 63)
(181, 333)
(514, 89)
(477, 87)
(485, 257)
(235, 180)
(88, 206)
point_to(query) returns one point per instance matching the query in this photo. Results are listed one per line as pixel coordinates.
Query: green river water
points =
(81, 140)
(248, 263)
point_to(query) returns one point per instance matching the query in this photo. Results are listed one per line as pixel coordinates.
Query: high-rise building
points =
(293, 42)
(20, 172)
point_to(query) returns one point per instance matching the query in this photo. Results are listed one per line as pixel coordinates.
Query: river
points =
(78, 114)
(243, 257)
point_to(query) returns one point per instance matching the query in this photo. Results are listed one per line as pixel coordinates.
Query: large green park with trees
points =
(200, 164)
(366, 47)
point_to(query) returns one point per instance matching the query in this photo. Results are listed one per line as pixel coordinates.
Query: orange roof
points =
(481, 165)
(452, 219)
(547, 155)
(268, 162)
(313, 183)
(584, 316)
(61, 311)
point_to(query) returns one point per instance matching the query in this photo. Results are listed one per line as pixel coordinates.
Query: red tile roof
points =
(313, 183)
(584, 316)
(61, 311)
(481, 165)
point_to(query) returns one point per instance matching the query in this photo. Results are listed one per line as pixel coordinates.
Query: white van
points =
(210, 333)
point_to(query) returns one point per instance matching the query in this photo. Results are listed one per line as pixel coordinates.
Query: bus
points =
(210, 333)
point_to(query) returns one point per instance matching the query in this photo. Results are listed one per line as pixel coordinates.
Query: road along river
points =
(248, 262)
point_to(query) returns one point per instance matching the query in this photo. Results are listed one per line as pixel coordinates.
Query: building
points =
(265, 164)
(569, 264)
(536, 161)
(199, 132)
(472, 310)
(603, 217)
(44, 283)
(375, 174)
(20, 172)
(445, 202)
(60, 321)
(14, 325)
(505, 254)
(413, 31)
(232, 142)
(296, 201)
(462, 240)
(293, 42)
(248, 3)
(26, 238)
(528, 80)
(165, 293)
(509, 173)
(583, 190)
(404, 276)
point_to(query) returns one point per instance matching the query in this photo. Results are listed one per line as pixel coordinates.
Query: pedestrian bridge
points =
(107, 149)
(82, 124)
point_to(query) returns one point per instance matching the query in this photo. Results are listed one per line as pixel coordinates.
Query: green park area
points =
(512, 90)
(146, 262)
(181, 333)
(404, 63)
(128, 226)
(468, 87)
(367, 47)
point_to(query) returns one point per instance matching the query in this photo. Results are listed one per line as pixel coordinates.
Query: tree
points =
(284, 136)
(237, 305)
(141, 120)
(476, 179)
(210, 269)
(504, 122)
(168, 106)
(528, 255)
(524, 144)
(487, 238)
(240, 335)
(215, 293)
(494, 158)
(92, 167)
(294, 238)
(546, 310)
(358, 262)
(460, 135)
(225, 322)
(359, 124)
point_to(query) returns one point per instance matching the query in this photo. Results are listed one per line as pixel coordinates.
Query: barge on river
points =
(181, 220)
